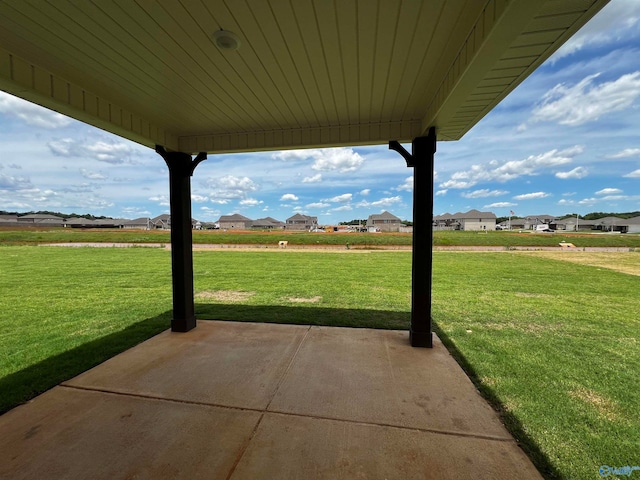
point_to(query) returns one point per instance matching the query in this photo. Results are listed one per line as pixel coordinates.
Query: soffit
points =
(308, 73)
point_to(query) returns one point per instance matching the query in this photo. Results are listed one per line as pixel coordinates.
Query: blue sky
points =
(566, 140)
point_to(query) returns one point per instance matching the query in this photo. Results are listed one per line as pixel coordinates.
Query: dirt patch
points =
(303, 300)
(227, 296)
(606, 408)
(624, 262)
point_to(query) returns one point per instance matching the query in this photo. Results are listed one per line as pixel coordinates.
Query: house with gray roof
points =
(531, 221)
(383, 222)
(162, 222)
(301, 222)
(142, 223)
(633, 225)
(41, 220)
(610, 224)
(471, 220)
(234, 222)
(572, 224)
(267, 223)
(8, 220)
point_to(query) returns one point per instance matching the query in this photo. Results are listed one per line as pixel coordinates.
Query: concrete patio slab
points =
(216, 363)
(287, 446)
(252, 401)
(371, 376)
(80, 434)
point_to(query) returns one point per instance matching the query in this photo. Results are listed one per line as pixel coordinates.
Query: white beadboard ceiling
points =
(308, 72)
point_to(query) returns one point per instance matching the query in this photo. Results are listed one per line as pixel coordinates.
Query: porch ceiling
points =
(308, 72)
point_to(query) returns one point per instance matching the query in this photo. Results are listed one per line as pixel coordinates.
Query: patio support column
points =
(181, 168)
(421, 159)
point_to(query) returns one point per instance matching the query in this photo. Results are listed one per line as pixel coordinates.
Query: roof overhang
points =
(308, 73)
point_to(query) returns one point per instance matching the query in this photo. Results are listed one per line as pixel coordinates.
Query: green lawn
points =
(553, 345)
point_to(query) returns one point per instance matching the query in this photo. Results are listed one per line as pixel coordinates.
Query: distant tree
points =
(572, 215)
(597, 215)
(354, 222)
(57, 214)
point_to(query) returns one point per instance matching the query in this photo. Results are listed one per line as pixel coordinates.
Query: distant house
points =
(610, 224)
(301, 222)
(445, 222)
(41, 220)
(267, 223)
(571, 224)
(235, 222)
(384, 222)
(8, 220)
(605, 224)
(162, 222)
(142, 223)
(79, 222)
(633, 224)
(531, 221)
(471, 220)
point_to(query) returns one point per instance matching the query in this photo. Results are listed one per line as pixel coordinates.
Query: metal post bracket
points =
(419, 147)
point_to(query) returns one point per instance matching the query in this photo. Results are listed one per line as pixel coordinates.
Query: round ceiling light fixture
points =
(226, 40)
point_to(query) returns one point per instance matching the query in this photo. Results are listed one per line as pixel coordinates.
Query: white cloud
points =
(343, 160)
(493, 171)
(199, 198)
(251, 202)
(615, 21)
(114, 152)
(500, 205)
(288, 197)
(327, 159)
(294, 155)
(407, 185)
(365, 192)
(578, 172)
(531, 196)
(229, 187)
(585, 102)
(162, 200)
(343, 208)
(383, 202)
(318, 205)
(442, 192)
(485, 192)
(317, 178)
(92, 175)
(634, 174)
(30, 113)
(609, 191)
(627, 152)
(135, 212)
(8, 182)
(345, 197)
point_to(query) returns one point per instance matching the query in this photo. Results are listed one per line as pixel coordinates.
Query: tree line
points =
(57, 214)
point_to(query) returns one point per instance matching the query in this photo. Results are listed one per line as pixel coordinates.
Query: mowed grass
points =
(552, 344)
(555, 347)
